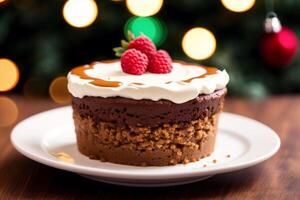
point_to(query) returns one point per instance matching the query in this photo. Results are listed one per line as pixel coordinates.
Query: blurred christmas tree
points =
(35, 35)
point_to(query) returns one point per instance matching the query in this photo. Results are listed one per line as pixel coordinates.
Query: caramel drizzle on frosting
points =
(136, 83)
(209, 71)
(79, 71)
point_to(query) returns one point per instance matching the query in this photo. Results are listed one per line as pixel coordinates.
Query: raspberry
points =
(143, 44)
(160, 63)
(134, 62)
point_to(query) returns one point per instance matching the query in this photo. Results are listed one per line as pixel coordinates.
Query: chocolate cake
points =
(149, 119)
(145, 109)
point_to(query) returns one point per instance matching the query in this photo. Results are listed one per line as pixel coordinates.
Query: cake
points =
(150, 119)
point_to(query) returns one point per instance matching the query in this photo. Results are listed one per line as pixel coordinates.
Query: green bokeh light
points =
(149, 26)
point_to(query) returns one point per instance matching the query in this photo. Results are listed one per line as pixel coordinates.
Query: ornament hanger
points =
(271, 23)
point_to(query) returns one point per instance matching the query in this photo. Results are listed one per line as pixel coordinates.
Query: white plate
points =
(49, 138)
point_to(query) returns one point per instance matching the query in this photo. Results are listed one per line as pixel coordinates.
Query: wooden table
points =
(277, 178)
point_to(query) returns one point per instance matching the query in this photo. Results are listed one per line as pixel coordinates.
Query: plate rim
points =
(100, 172)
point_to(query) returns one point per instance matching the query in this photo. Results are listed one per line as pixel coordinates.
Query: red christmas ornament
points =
(278, 45)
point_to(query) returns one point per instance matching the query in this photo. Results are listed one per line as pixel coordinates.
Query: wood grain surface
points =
(276, 178)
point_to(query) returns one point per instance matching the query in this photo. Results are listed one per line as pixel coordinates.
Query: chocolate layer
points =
(168, 144)
(130, 112)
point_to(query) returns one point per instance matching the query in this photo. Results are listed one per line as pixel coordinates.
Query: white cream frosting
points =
(152, 86)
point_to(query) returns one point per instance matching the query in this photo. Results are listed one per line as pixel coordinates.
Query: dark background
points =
(34, 34)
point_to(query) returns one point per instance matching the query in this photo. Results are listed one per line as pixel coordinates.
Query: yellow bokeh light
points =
(3, 1)
(9, 75)
(238, 5)
(199, 43)
(80, 13)
(58, 90)
(144, 8)
(9, 111)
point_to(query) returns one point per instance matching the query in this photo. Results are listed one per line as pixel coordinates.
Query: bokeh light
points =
(9, 75)
(80, 13)
(58, 90)
(199, 43)
(8, 111)
(238, 5)
(144, 8)
(149, 26)
(3, 1)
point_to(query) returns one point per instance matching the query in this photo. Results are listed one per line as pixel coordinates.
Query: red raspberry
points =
(134, 62)
(160, 63)
(143, 44)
